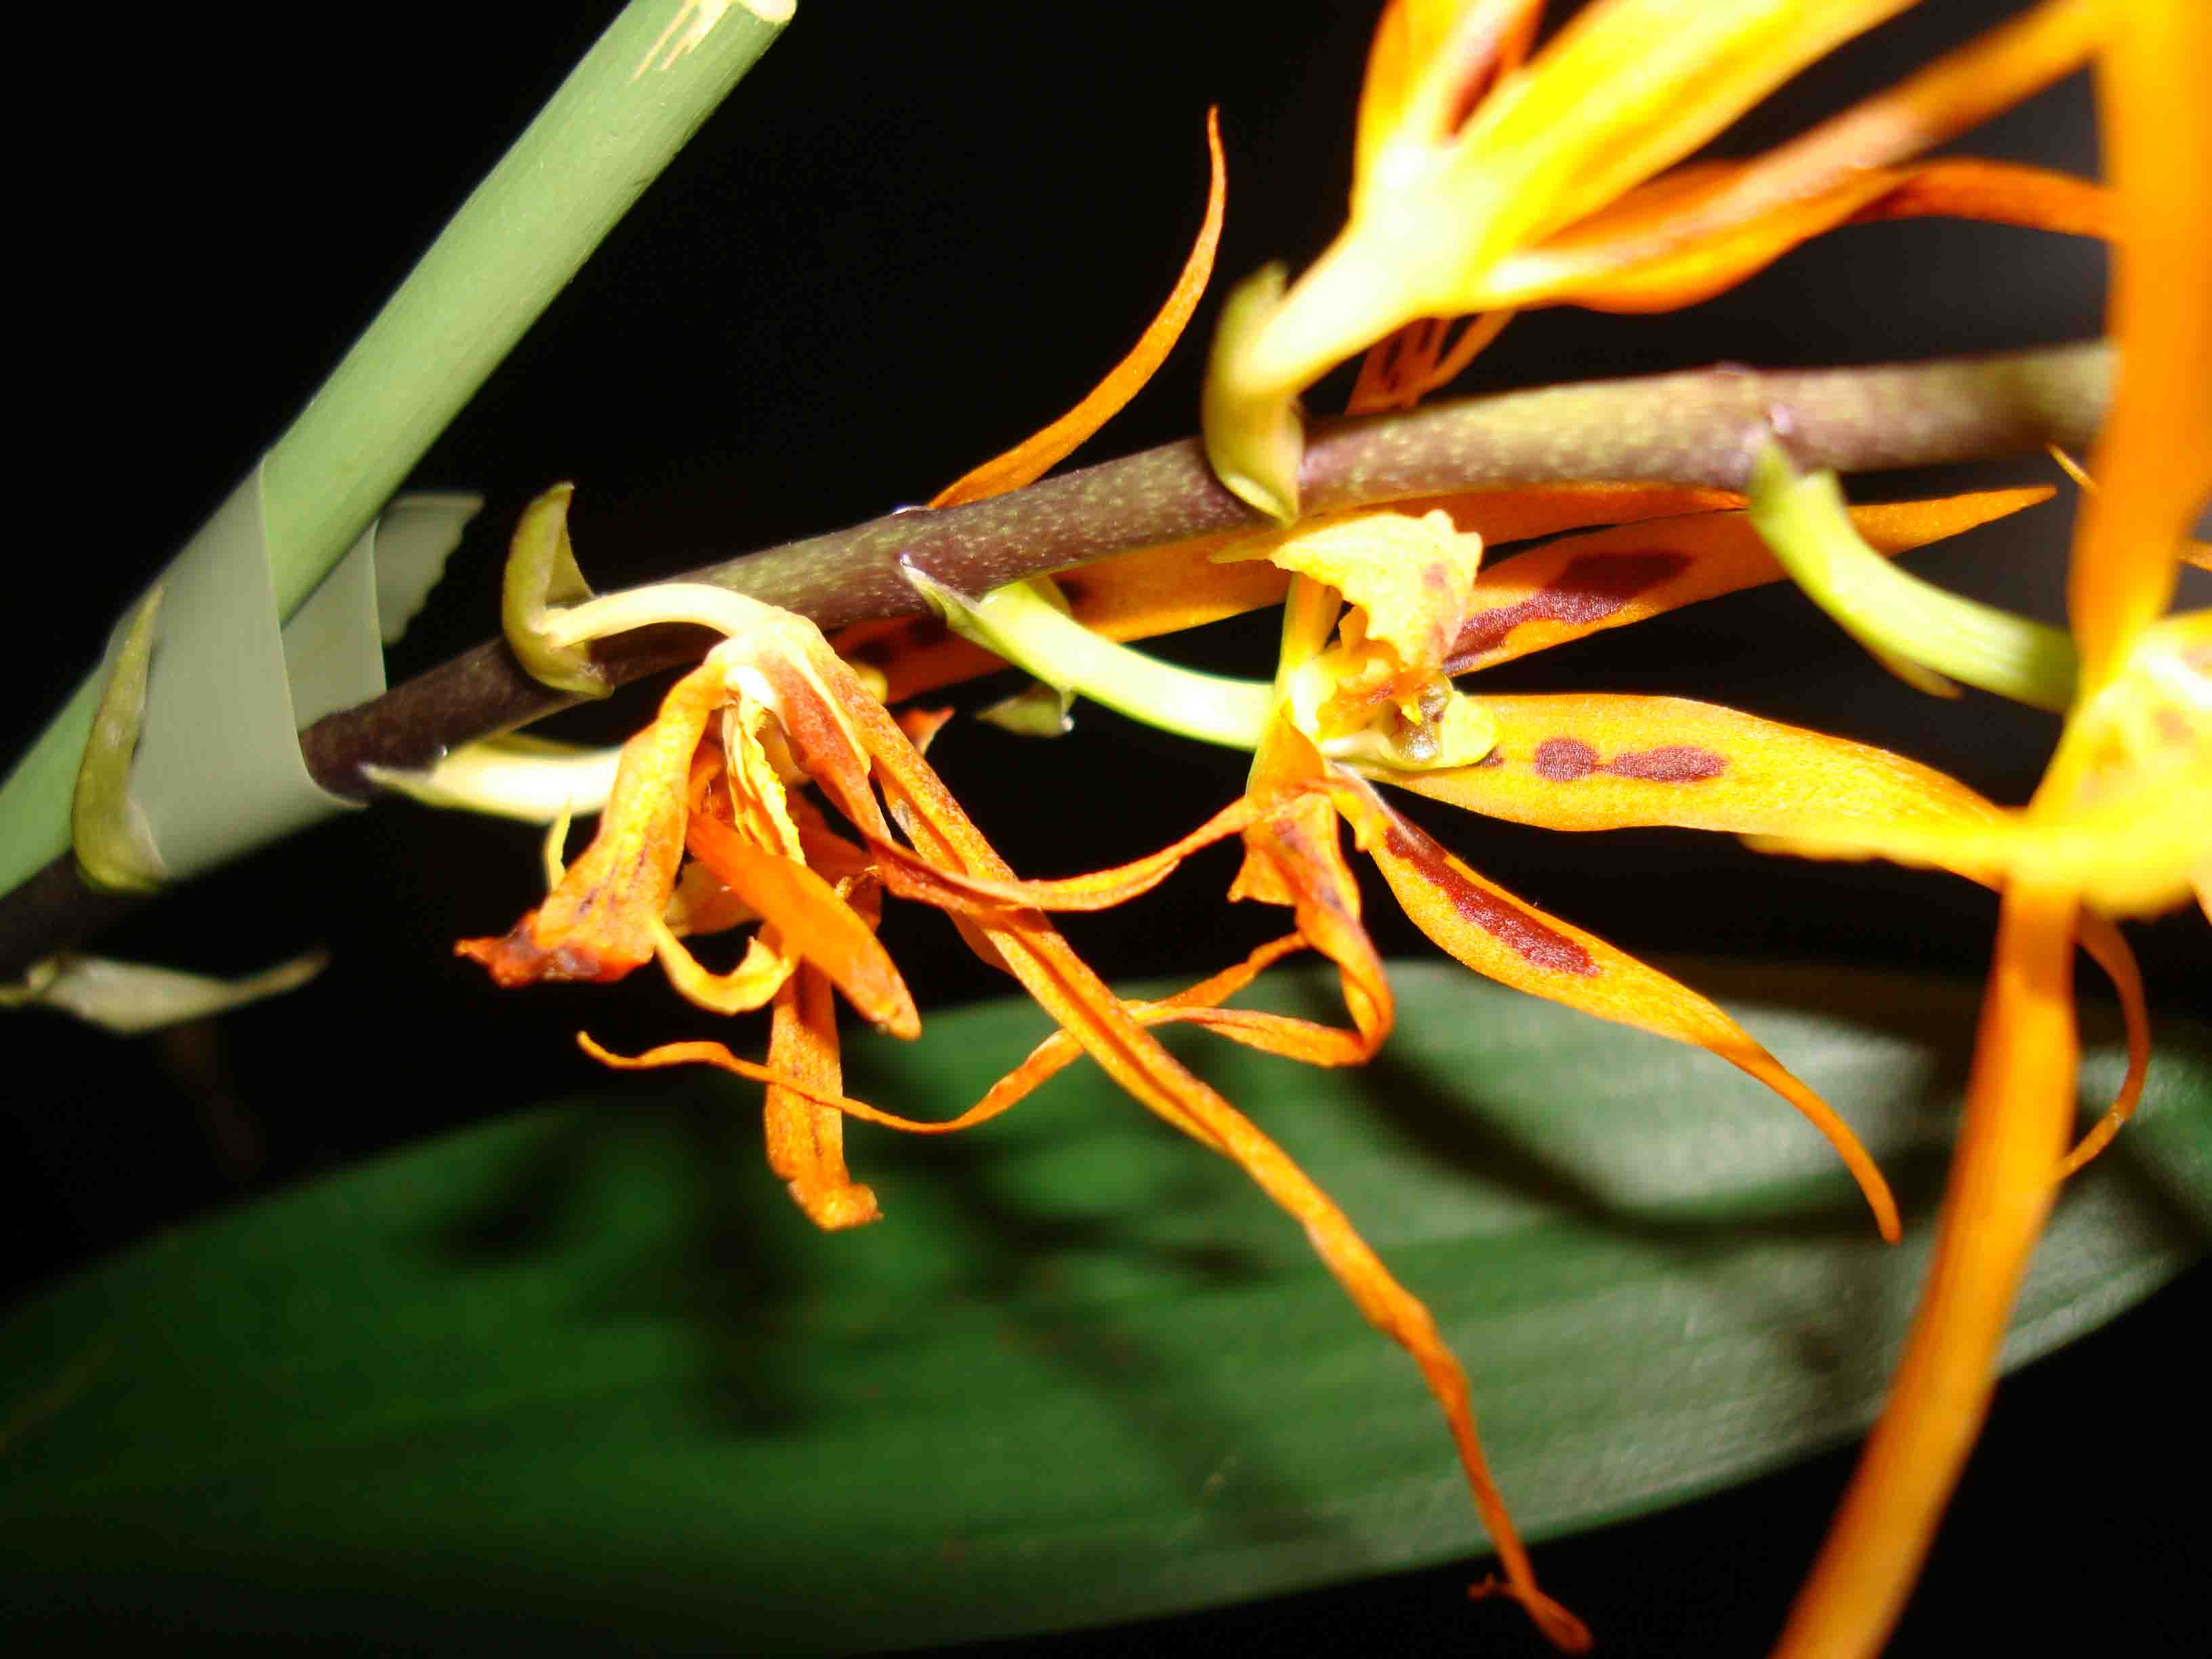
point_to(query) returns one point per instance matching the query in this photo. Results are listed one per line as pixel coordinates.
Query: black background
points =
(913, 235)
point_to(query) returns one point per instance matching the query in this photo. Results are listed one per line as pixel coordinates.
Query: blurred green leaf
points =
(585, 1374)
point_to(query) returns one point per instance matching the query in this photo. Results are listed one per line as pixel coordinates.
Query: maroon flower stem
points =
(1700, 427)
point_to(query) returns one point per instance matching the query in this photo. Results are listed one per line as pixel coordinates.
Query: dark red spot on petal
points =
(1520, 932)
(1495, 758)
(1680, 762)
(1565, 760)
(1591, 589)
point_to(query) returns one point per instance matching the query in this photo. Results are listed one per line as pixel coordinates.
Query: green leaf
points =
(586, 1375)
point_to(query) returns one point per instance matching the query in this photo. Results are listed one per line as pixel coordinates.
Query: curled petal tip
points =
(1560, 1628)
(517, 959)
(836, 1210)
(542, 573)
(1037, 455)
(1254, 439)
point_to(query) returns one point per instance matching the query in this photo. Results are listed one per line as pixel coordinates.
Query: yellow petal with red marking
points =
(1583, 584)
(1587, 763)
(1599, 762)
(1034, 457)
(1500, 937)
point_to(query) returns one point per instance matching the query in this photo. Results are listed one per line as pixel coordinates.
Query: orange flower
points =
(1482, 185)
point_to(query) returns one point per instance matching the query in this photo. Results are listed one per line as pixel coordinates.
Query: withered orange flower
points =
(716, 776)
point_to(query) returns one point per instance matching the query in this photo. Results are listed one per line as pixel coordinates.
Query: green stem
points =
(523, 233)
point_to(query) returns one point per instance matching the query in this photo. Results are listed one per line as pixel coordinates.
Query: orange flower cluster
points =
(1548, 174)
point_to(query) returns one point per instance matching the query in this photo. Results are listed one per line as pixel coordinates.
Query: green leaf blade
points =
(586, 1371)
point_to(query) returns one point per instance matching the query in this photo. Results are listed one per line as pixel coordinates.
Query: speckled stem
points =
(1701, 426)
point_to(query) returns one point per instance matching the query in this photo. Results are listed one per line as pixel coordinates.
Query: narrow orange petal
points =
(1294, 858)
(719, 1056)
(915, 878)
(817, 923)
(714, 1054)
(1998, 193)
(2154, 457)
(1193, 1005)
(2103, 942)
(1583, 584)
(1959, 90)
(2019, 1101)
(1034, 457)
(805, 1135)
(1592, 274)
(1398, 372)
(1500, 937)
